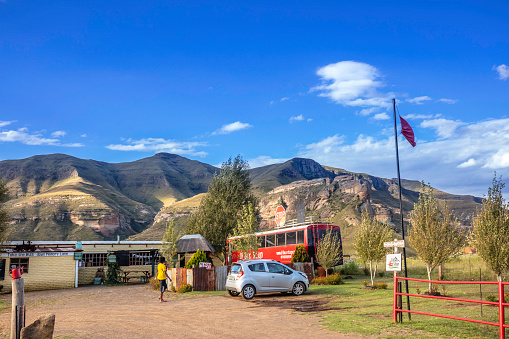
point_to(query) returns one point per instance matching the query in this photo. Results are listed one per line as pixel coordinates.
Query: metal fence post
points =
(501, 309)
(395, 299)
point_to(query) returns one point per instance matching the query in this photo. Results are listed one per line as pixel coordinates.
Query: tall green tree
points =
(369, 240)
(169, 241)
(247, 226)
(435, 234)
(4, 217)
(490, 236)
(222, 207)
(328, 251)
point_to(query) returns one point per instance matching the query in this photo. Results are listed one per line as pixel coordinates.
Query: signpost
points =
(280, 216)
(78, 255)
(395, 243)
(393, 262)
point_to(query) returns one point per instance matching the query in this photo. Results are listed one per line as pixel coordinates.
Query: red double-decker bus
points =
(280, 243)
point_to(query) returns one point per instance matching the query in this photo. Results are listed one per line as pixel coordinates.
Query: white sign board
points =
(207, 265)
(393, 262)
(395, 243)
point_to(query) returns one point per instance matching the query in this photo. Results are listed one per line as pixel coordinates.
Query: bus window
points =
(270, 240)
(261, 241)
(280, 239)
(300, 237)
(291, 238)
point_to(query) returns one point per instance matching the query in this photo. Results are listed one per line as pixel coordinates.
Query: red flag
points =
(407, 131)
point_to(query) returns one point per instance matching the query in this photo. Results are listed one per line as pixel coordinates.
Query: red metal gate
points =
(501, 304)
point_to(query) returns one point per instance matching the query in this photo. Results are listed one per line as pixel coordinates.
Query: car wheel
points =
(233, 293)
(298, 288)
(248, 292)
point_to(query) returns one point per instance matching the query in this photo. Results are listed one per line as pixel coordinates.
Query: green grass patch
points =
(4, 306)
(369, 312)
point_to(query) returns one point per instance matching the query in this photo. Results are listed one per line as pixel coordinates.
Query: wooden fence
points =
(201, 279)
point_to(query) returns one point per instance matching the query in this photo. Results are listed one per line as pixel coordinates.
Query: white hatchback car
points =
(250, 277)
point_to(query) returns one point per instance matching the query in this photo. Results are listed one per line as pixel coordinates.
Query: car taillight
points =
(239, 275)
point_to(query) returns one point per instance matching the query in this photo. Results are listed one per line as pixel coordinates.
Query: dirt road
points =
(134, 312)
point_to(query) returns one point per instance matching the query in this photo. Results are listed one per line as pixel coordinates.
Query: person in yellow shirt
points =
(162, 274)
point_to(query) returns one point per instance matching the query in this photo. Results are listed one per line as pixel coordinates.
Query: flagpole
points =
(401, 205)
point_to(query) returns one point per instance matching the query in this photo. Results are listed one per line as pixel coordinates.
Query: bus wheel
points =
(248, 292)
(298, 288)
(233, 293)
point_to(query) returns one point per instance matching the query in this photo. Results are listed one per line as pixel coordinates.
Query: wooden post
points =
(18, 308)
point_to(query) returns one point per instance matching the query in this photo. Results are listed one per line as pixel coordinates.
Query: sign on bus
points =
(280, 216)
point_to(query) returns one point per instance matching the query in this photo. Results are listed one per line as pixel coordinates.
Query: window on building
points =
(300, 237)
(2, 269)
(140, 258)
(270, 240)
(94, 259)
(291, 238)
(280, 239)
(18, 263)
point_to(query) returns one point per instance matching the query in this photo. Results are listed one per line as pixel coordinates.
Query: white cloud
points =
(352, 83)
(23, 136)
(471, 162)
(5, 123)
(284, 99)
(368, 111)
(160, 145)
(233, 127)
(297, 118)
(503, 71)
(264, 160)
(463, 163)
(272, 102)
(83, 135)
(448, 101)
(419, 100)
(58, 134)
(421, 116)
(443, 127)
(381, 116)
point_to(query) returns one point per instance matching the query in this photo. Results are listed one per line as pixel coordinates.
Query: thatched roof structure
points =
(193, 243)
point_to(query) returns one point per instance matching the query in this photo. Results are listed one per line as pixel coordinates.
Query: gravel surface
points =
(134, 311)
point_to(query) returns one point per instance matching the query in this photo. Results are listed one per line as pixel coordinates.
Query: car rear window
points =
(257, 267)
(236, 269)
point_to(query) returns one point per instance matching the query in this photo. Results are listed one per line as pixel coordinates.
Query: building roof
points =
(193, 243)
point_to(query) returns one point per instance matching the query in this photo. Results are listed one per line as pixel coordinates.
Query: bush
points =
(185, 288)
(492, 298)
(154, 283)
(333, 279)
(196, 259)
(380, 285)
(349, 268)
(300, 255)
(365, 283)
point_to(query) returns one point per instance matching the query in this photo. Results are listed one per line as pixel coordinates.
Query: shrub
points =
(196, 259)
(350, 267)
(300, 255)
(365, 283)
(366, 271)
(185, 288)
(154, 283)
(491, 297)
(380, 285)
(333, 279)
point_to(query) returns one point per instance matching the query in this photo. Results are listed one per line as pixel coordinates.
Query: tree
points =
(434, 234)
(300, 255)
(329, 251)
(169, 241)
(491, 230)
(221, 208)
(4, 217)
(369, 242)
(196, 259)
(247, 226)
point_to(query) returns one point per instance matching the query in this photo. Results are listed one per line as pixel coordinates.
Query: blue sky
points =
(270, 80)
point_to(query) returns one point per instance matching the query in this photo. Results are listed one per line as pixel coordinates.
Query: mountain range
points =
(60, 197)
